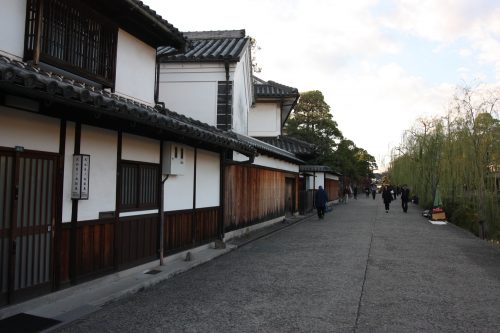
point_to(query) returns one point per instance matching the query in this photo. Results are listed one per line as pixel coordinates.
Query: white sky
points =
(380, 64)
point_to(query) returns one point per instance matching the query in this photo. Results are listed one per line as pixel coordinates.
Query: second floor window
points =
(68, 35)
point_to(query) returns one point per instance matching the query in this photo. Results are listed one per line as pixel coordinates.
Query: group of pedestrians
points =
(389, 194)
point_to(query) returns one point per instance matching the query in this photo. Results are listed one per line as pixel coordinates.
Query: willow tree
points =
(460, 153)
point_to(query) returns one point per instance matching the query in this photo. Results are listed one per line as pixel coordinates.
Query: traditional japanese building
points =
(273, 104)
(214, 73)
(95, 175)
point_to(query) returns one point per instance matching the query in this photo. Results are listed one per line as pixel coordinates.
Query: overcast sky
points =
(380, 64)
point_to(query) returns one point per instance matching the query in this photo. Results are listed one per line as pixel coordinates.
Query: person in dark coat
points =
(387, 197)
(320, 200)
(405, 197)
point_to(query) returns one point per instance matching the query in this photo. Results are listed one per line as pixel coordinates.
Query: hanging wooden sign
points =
(81, 177)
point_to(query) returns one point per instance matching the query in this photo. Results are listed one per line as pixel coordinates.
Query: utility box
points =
(174, 159)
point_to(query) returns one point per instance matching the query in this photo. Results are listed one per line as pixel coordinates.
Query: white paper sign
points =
(80, 179)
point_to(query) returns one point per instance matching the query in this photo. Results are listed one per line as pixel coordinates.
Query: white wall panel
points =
(330, 176)
(137, 148)
(264, 120)
(101, 145)
(275, 163)
(179, 189)
(29, 130)
(197, 100)
(207, 179)
(192, 72)
(12, 25)
(135, 68)
(242, 94)
(320, 179)
(313, 182)
(270, 162)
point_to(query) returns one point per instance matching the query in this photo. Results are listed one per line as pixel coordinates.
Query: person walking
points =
(386, 196)
(405, 197)
(355, 192)
(374, 191)
(346, 194)
(320, 200)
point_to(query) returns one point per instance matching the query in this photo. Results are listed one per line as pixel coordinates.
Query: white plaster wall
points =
(137, 148)
(270, 162)
(179, 188)
(193, 71)
(101, 145)
(135, 68)
(207, 179)
(191, 89)
(264, 120)
(313, 182)
(330, 176)
(242, 93)
(12, 25)
(29, 130)
(320, 179)
(197, 100)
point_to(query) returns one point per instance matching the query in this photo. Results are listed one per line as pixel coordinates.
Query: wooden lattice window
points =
(69, 35)
(224, 105)
(139, 185)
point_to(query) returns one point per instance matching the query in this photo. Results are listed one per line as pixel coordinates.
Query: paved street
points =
(358, 270)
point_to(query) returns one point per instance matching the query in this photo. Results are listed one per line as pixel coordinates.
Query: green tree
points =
(460, 154)
(355, 163)
(311, 121)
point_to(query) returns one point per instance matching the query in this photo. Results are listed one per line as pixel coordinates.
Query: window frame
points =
(224, 97)
(88, 49)
(139, 186)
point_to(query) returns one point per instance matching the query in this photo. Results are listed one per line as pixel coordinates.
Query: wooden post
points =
(59, 189)
(118, 201)
(73, 270)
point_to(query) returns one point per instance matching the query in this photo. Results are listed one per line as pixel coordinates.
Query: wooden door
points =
(289, 196)
(27, 193)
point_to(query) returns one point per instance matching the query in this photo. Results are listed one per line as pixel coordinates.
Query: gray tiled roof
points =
(157, 19)
(27, 80)
(139, 20)
(269, 149)
(207, 46)
(273, 89)
(292, 145)
(317, 168)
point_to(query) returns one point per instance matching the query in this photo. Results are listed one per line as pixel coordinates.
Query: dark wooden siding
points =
(206, 220)
(178, 230)
(94, 248)
(252, 195)
(332, 189)
(306, 201)
(184, 229)
(137, 240)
